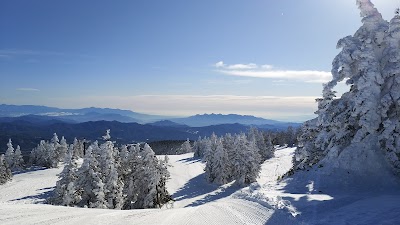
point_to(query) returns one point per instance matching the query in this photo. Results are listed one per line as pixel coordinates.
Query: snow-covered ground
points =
(297, 200)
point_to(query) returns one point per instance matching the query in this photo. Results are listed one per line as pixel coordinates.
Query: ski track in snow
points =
(197, 202)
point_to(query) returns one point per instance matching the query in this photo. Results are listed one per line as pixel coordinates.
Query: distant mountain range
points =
(214, 119)
(27, 125)
(78, 115)
(127, 116)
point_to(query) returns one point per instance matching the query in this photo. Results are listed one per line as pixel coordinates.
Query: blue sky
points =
(265, 58)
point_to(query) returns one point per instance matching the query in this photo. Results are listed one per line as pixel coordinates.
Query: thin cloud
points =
(272, 107)
(27, 89)
(221, 64)
(268, 71)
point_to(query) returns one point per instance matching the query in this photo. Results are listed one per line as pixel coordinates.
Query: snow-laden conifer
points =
(9, 156)
(65, 192)
(5, 171)
(112, 183)
(369, 63)
(186, 147)
(78, 149)
(19, 162)
(89, 186)
(221, 164)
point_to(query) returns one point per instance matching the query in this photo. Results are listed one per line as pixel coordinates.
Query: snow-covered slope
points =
(197, 202)
(296, 200)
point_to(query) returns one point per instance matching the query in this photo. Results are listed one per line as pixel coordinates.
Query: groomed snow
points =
(297, 200)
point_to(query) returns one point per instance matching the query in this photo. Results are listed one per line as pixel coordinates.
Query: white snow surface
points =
(300, 199)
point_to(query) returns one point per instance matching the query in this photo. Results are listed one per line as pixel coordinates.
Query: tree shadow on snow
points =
(40, 198)
(198, 186)
(222, 193)
(194, 187)
(29, 170)
(316, 196)
(190, 160)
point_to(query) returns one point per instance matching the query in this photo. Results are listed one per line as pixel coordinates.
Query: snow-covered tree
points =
(61, 149)
(49, 154)
(270, 149)
(9, 156)
(19, 162)
(78, 149)
(228, 142)
(44, 155)
(56, 145)
(369, 62)
(5, 171)
(113, 185)
(162, 195)
(65, 192)
(112, 178)
(197, 148)
(89, 186)
(130, 174)
(166, 160)
(246, 160)
(147, 178)
(265, 148)
(208, 158)
(221, 164)
(186, 147)
(107, 136)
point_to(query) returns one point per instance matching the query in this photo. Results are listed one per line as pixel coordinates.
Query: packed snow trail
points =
(228, 212)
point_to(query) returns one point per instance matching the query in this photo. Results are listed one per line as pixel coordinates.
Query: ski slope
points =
(197, 202)
(296, 200)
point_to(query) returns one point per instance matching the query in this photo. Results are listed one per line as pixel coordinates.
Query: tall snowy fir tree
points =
(208, 158)
(9, 156)
(221, 164)
(89, 186)
(162, 195)
(61, 149)
(368, 113)
(228, 142)
(112, 183)
(65, 193)
(246, 160)
(78, 149)
(265, 148)
(197, 148)
(130, 175)
(186, 147)
(5, 171)
(147, 178)
(19, 162)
